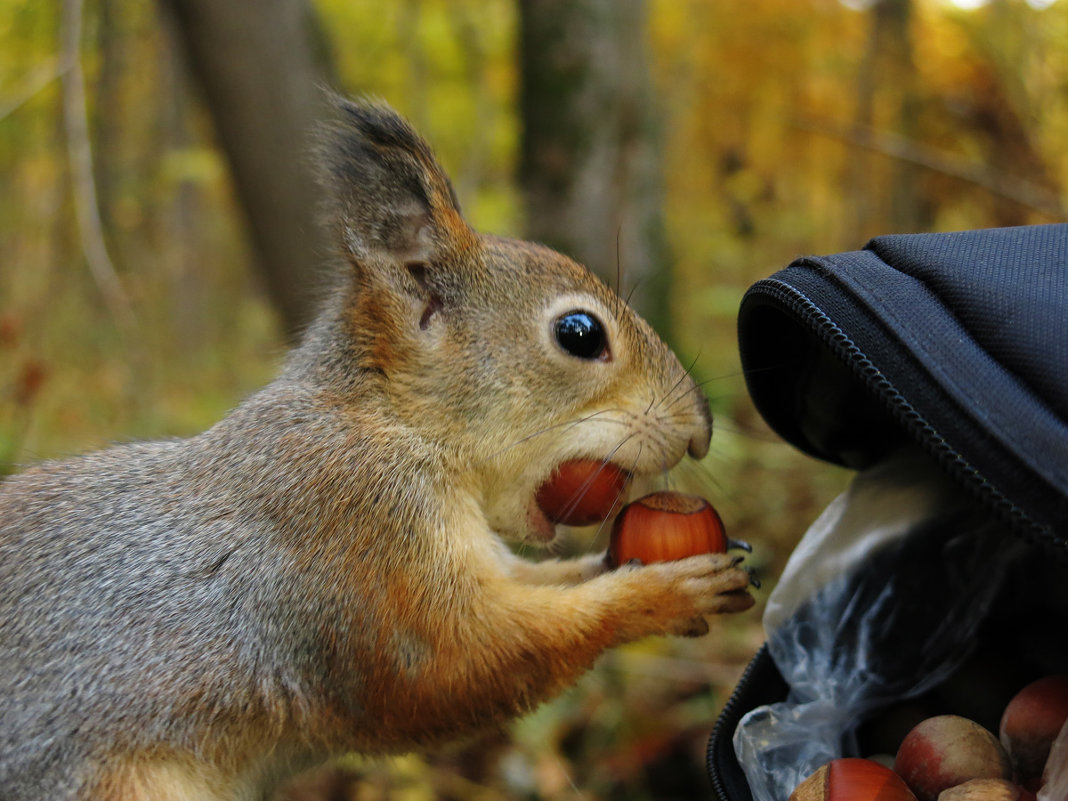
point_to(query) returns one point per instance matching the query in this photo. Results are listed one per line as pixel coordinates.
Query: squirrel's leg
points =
(516, 645)
(635, 601)
(552, 571)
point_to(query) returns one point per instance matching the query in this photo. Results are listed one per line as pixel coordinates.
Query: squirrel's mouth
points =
(539, 527)
(580, 492)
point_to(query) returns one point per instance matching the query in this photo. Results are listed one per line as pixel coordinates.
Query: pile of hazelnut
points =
(951, 758)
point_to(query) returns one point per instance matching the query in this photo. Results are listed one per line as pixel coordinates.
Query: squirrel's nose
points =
(702, 433)
(698, 447)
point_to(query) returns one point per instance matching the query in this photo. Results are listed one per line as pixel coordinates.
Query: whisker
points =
(698, 387)
(633, 464)
(766, 368)
(687, 373)
(619, 275)
(732, 374)
(695, 389)
(707, 381)
(732, 426)
(668, 402)
(633, 289)
(709, 478)
(672, 409)
(547, 429)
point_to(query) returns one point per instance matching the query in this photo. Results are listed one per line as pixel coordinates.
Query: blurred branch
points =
(80, 154)
(997, 183)
(40, 80)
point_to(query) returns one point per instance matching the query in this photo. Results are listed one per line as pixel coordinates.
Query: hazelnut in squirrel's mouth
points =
(581, 492)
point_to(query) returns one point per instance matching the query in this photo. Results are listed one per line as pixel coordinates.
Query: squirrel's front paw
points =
(676, 597)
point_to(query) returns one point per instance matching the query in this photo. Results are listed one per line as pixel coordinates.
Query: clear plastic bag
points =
(1055, 779)
(879, 602)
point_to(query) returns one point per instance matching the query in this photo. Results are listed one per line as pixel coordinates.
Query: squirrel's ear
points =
(389, 198)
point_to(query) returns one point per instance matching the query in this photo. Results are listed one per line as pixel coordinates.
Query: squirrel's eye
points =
(582, 335)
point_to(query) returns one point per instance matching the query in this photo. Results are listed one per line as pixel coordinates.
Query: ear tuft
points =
(388, 195)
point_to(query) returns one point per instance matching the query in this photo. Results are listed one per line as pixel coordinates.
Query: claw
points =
(740, 545)
(610, 564)
(753, 577)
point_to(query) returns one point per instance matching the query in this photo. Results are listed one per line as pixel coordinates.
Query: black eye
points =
(582, 335)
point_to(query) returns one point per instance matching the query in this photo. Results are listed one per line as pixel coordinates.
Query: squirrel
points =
(325, 570)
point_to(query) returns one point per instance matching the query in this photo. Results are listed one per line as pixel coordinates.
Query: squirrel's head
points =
(508, 356)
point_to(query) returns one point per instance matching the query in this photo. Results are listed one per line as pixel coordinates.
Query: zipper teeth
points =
(844, 347)
(727, 716)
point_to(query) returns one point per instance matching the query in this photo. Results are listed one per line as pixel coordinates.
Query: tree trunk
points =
(589, 162)
(260, 71)
(896, 202)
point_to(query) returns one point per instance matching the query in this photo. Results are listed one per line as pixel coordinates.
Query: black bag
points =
(954, 346)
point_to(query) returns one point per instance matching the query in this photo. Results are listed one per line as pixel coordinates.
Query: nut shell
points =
(852, 780)
(947, 750)
(665, 526)
(582, 491)
(1031, 722)
(982, 790)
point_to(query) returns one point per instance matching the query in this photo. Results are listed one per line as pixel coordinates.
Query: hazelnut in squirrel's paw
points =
(682, 536)
(324, 570)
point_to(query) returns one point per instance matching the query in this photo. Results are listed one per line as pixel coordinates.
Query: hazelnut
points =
(852, 780)
(665, 526)
(948, 750)
(1031, 722)
(582, 491)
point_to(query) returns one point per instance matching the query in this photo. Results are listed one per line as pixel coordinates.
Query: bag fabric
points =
(956, 341)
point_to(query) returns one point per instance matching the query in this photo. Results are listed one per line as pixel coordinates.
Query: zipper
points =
(900, 409)
(729, 717)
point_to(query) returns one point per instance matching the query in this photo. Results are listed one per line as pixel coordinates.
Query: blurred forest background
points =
(159, 249)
